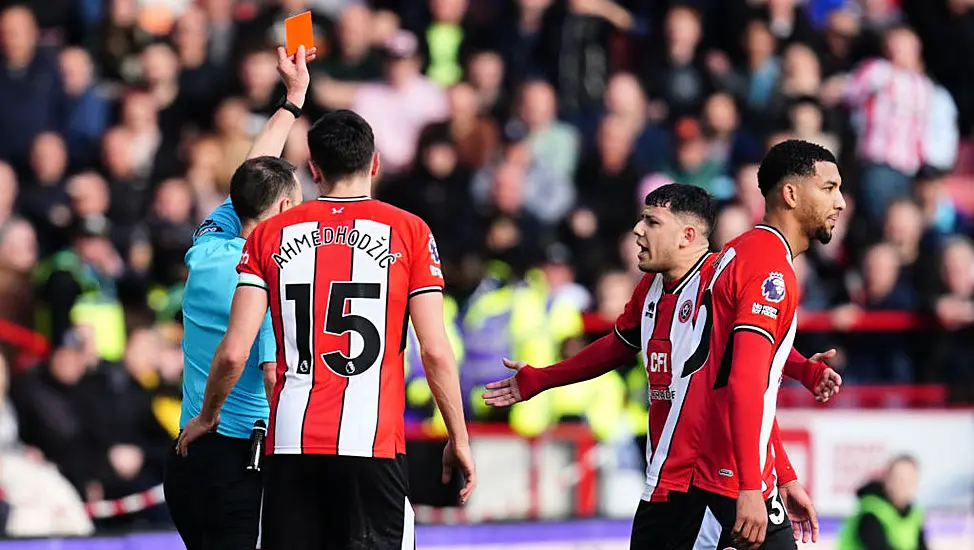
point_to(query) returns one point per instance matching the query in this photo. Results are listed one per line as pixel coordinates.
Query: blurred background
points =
(526, 133)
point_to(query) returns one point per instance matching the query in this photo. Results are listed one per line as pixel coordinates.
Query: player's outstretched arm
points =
(246, 315)
(594, 360)
(294, 72)
(801, 512)
(426, 313)
(814, 374)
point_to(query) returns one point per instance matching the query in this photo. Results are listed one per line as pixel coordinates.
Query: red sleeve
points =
(250, 268)
(803, 370)
(595, 359)
(425, 271)
(746, 386)
(628, 325)
(782, 466)
(766, 294)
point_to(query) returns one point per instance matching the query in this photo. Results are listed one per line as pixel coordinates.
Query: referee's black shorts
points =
(213, 499)
(336, 502)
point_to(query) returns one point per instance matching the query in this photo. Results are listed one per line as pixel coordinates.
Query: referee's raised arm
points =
(294, 73)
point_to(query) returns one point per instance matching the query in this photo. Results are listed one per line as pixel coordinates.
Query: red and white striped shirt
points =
(339, 274)
(660, 320)
(890, 110)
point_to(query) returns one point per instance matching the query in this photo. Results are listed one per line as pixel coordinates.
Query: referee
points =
(214, 499)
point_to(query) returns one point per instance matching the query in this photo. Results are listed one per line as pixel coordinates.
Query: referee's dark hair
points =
(260, 182)
(687, 200)
(790, 158)
(341, 144)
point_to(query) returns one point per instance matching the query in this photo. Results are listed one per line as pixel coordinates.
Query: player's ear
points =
(375, 164)
(315, 174)
(789, 194)
(689, 235)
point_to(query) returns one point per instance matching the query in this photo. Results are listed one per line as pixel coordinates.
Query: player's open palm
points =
(804, 519)
(459, 455)
(294, 69)
(751, 524)
(830, 383)
(505, 392)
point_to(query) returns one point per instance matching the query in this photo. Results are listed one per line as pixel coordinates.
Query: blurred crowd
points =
(525, 132)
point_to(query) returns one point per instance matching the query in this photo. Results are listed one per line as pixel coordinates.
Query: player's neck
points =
(683, 267)
(347, 190)
(789, 227)
(246, 228)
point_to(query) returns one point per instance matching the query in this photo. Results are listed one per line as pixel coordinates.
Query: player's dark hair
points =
(260, 182)
(790, 158)
(341, 145)
(680, 198)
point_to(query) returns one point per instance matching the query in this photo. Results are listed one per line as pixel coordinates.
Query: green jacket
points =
(879, 524)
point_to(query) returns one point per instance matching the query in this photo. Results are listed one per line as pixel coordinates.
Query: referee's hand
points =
(460, 455)
(196, 428)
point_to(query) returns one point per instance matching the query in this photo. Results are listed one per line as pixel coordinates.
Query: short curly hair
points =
(790, 158)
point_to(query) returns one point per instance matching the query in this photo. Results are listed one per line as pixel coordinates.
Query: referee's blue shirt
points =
(212, 262)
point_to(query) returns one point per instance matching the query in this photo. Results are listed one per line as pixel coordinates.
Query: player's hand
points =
(196, 428)
(294, 72)
(460, 455)
(505, 392)
(830, 383)
(804, 520)
(751, 524)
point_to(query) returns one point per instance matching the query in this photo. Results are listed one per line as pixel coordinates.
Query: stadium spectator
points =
(18, 257)
(351, 61)
(401, 106)
(890, 100)
(87, 110)
(878, 358)
(474, 135)
(546, 196)
(31, 92)
(888, 515)
(678, 78)
(44, 201)
(552, 142)
(951, 350)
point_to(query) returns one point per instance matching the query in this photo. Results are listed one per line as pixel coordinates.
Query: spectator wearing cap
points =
(401, 106)
(554, 143)
(545, 195)
(79, 284)
(31, 93)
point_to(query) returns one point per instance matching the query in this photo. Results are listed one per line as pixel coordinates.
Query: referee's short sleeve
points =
(266, 344)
